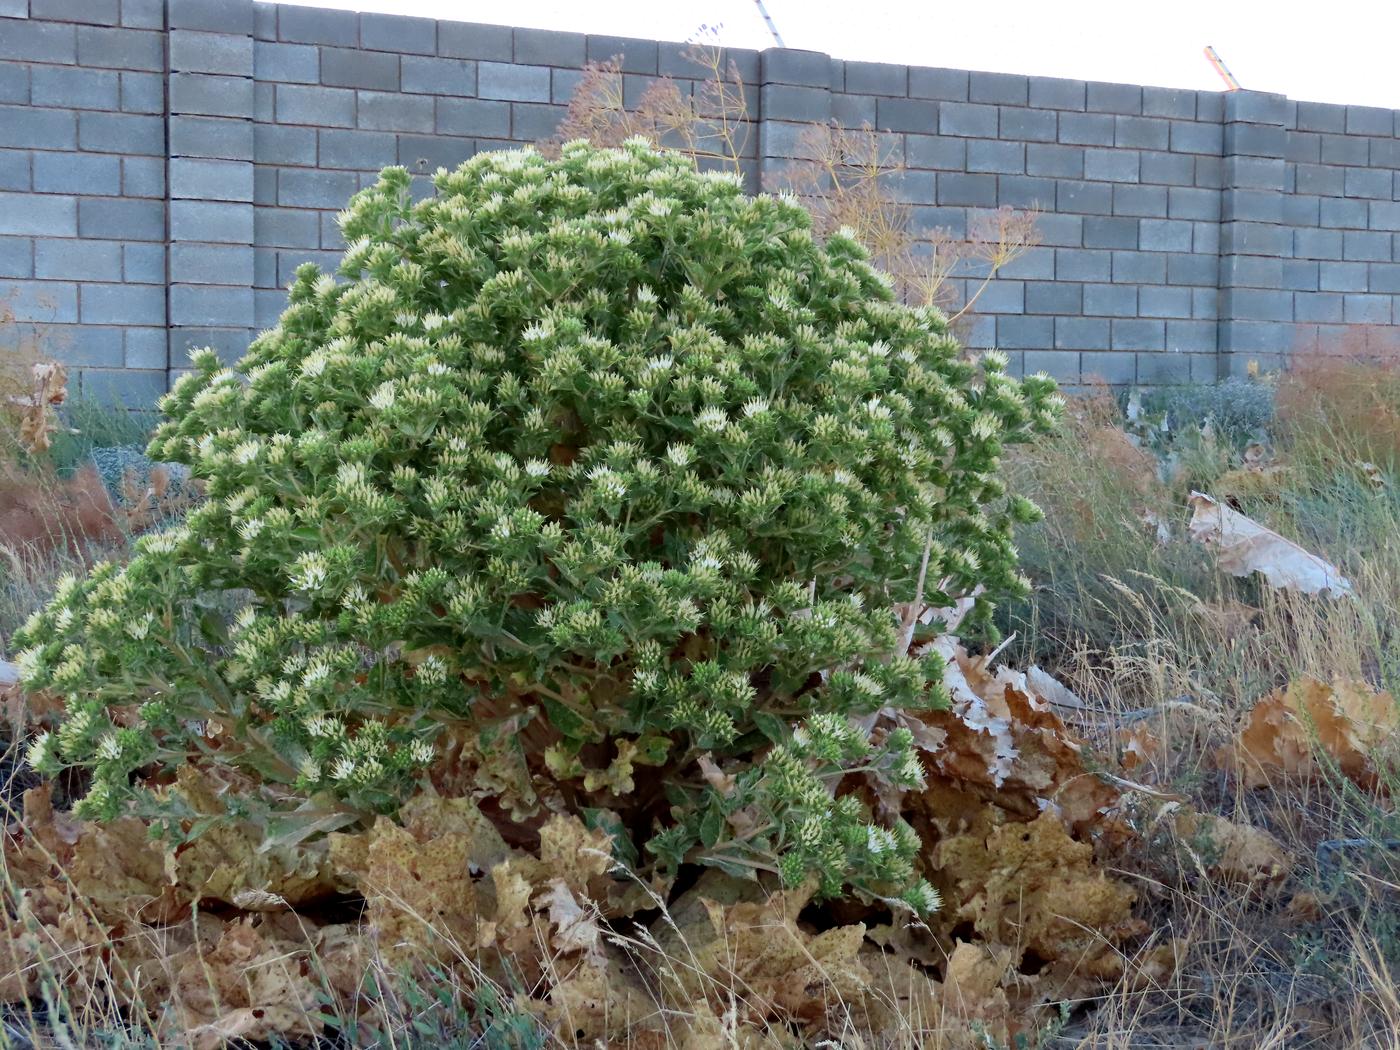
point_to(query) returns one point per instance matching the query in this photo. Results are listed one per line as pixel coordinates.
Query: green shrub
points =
(589, 466)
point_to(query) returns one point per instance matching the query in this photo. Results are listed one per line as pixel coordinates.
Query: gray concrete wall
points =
(166, 164)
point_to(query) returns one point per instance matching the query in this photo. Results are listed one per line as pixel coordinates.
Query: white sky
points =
(1343, 51)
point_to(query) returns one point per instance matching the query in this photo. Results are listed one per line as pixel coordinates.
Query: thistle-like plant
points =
(588, 477)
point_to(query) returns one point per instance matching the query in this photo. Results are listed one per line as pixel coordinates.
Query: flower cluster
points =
(600, 444)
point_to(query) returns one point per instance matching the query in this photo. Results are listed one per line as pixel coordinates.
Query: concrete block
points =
(284, 228)
(1322, 179)
(43, 302)
(1024, 191)
(77, 173)
(77, 260)
(343, 67)
(1318, 308)
(427, 153)
(1384, 215)
(211, 137)
(1135, 333)
(989, 155)
(1343, 276)
(1255, 107)
(1105, 232)
(144, 348)
(1084, 198)
(1255, 140)
(1164, 235)
(225, 53)
(1205, 237)
(96, 12)
(1164, 301)
(1054, 93)
(1003, 296)
(473, 40)
(1210, 171)
(512, 83)
(230, 341)
(1366, 309)
(74, 88)
(911, 114)
(122, 386)
(918, 187)
(1066, 162)
(1189, 202)
(143, 93)
(1196, 138)
(1350, 150)
(212, 264)
(143, 263)
(850, 111)
(1179, 103)
(1191, 269)
(24, 41)
(1081, 333)
(1060, 365)
(1199, 336)
(1343, 213)
(967, 119)
(1104, 165)
(470, 116)
(309, 188)
(1141, 132)
(955, 188)
(1374, 183)
(117, 49)
(1384, 153)
(1367, 245)
(1302, 147)
(142, 304)
(1116, 368)
(1317, 244)
(287, 144)
(1028, 125)
(1251, 206)
(264, 185)
(1006, 89)
(779, 65)
(320, 106)
(1370, 120)
(1142, 267)
(215, 16)
(1110, 300)
(1054, 297)
(121, 133)
(1321, 116)
(1024, 332)
(948, 84)
(121, 218)
(216, 180)
(1086, 129)
(356, 150)
(1082, 264)
(15, 170)
(1299, 275)
(26, 127)
(202, 94)
(16, 257)
(534, 122)
(211, 305)
(1141, 201)
(439, 76)
(143, 177)
(1384, 277)
(211, 222)
(1164, 369)
(398, 33)
(1114, 98)
(143, 14)
(14, 83)
(313, 25)
(877, 78)
(795, 102)
(633, 55)
(381, 111)
(287, 63)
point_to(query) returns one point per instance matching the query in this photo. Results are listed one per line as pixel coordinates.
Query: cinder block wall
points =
(166, 164)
